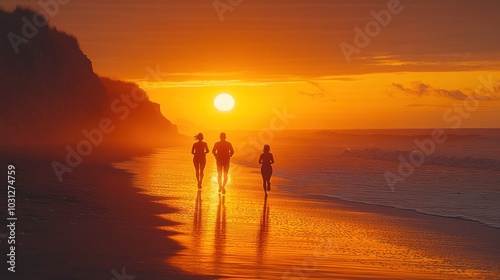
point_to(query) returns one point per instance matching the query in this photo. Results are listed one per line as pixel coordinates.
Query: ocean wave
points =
(441, 160)
(474, 217)
(483, 221)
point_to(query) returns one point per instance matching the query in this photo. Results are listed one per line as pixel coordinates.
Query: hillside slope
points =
(49, 92)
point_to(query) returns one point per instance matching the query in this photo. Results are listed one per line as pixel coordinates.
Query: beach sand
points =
(93, 225)
(243, 236)
(152, 223)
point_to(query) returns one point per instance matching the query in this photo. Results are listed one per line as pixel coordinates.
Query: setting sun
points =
(224, 102)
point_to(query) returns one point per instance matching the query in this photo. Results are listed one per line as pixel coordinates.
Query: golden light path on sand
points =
(241, 236)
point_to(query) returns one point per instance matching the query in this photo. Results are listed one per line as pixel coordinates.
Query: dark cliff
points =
(49, 92)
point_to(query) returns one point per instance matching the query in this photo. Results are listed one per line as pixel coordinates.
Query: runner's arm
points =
(214, 150)
(231, 150)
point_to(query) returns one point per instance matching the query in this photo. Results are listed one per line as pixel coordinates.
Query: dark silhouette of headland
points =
(50, 94)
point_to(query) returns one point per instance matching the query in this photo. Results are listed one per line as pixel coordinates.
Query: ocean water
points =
(454, 175)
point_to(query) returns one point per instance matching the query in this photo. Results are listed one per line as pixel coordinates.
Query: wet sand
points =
(243, 236)
(93, 225)
(152, 223)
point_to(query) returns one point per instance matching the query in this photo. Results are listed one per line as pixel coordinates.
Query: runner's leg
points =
(219, 175)
(197, 168)
(203, 162)
(226, 171)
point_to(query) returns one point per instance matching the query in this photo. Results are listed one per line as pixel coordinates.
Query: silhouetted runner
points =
(199, 150)
(266, 170)
(222, 151)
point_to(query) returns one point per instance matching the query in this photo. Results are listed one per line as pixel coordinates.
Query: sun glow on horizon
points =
(368, 101)
(224, 102)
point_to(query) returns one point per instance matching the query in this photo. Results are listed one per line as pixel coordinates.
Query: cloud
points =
(418, 105)
(318, 92)
(419, 89)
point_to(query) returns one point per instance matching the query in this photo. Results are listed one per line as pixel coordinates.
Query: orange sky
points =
(271, 55)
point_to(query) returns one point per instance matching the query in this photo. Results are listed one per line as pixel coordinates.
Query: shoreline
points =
(286, 230)
(361, 204)
(467, 229)
(104, 218)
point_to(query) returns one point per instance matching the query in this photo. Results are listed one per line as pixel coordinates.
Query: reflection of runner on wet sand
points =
(223, 151)
(263, 233)
(220, 231)
(197, 222)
